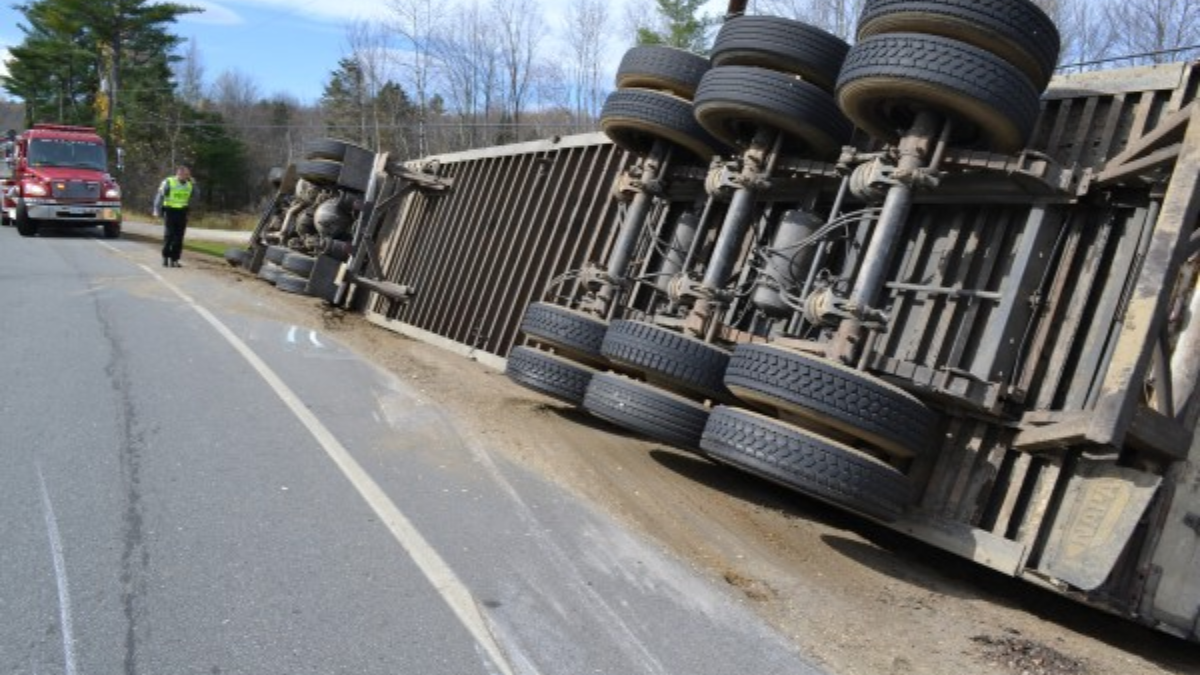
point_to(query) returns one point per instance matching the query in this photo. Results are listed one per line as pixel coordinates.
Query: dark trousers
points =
(176, 224)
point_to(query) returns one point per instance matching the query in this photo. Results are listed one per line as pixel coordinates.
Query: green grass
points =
(234, 222)
(213, 248)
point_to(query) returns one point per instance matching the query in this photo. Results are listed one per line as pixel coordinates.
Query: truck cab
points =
(57, 176)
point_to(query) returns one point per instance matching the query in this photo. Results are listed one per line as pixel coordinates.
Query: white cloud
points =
(342, 10)
(212, 13)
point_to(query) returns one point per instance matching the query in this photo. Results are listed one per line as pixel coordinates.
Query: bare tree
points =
(1086, 33)
(418, 24)
(370, 47)
(586, 33)
(469, 52)
(839, 17)
(189, 74)
(520, 27)
(1152, 27)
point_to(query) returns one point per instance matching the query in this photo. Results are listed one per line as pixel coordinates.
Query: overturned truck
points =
(916, 278)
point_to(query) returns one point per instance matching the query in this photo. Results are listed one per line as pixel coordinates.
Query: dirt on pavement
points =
(854, 596)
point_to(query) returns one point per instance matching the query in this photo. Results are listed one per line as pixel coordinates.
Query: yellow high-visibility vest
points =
(178, 194)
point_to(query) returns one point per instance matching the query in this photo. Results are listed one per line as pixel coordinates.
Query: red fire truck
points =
(56, 175)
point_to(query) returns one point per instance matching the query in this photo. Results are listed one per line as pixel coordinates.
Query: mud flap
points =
(322, 283)
(1100, 510)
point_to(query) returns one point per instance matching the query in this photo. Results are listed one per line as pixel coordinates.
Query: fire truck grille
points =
(75, 189)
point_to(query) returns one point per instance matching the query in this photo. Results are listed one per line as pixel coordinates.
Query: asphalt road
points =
(190, 488)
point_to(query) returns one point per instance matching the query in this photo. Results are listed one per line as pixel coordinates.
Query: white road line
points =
(453, 591)
(60, 577)
(291, 338)
(312, 337)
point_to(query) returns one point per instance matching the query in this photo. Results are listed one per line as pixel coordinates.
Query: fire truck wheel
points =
(832, 395)
(1017, 31)
(319, 171)
(674, 361)
(329, 149)
(635, 118)
(26, 226)
(236, 256)
(806, 462)
(888, 79)
(573, 334)
(776, 43)
(299, 264)
(663, 68)
(276, 254)
(290, 283)
(549, 374)
(646, 410)
(112, 230)
(734, 102)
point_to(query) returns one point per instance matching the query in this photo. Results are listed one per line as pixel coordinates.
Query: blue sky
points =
(285, 46)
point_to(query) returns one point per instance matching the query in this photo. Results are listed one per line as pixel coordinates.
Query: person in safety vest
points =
(171, 203)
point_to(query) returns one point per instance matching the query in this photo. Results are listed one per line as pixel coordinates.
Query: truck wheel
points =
(236, 256)
(646, 410)
(662, 68)
(635, 118)
(1017, 31)
(806, 462)
(329, 149)
(832, 395)
(299, 264)
(569, 332)
(776, 43)
(319, 171)
(26, 226)
(269, 273)
(276, 254)
(549, 374)
(675, 361)
(888, 79)
(734, 102)
(290, 283)
(112, 230)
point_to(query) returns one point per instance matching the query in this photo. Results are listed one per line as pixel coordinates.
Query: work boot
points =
(166, 262)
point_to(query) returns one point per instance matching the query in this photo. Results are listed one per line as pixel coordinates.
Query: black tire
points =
(330, 149)
(635, 118)
(672, 360)
(111, 230)
(1017, 31)
(781, 44)
(237, 256)
(276, 254)
(26, 226)
(319, 171)
(807, 463)
(299, 264)
(549, 374)
(663, 68)
(290, 283)
(888, 79)
(269, 273)
(734, 102)
(572, 333)
(646, 410)
(830, 394)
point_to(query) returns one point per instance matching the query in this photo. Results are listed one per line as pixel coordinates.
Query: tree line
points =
(436, 76)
